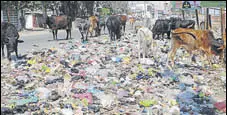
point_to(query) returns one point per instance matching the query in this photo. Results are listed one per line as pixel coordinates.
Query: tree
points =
(17, 5)
(89, 6)
(120, 6)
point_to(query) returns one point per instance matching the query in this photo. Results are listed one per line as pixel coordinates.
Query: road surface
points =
(39, 39)
(34, 40)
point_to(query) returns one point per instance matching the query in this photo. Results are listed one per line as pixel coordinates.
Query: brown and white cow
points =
(192, 40)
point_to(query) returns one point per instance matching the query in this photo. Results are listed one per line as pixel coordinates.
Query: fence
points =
(13, 17)
(214, 15)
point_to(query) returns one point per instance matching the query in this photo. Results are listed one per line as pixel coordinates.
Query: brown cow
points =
(192, 40)
(93, 25)
(132, 20)
(59, 22)
(123, 21)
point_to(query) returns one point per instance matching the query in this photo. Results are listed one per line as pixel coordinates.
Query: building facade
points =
(152, 9)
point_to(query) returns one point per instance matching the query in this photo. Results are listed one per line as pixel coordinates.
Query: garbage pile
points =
(102, 77)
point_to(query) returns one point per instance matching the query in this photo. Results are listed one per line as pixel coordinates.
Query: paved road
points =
(34, 40)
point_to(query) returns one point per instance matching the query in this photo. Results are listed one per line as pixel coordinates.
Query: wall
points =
(13, 17)
(29, 21)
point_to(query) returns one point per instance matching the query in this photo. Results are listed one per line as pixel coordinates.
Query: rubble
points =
(103, 77)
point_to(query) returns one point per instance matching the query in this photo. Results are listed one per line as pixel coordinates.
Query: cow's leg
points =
(70, 34)
(139, 48)
(86, 35)
(109, 33)
(209, 59)
(144, 50)
(82, 36)
(221, 57)
(152, 47)
(118, 35)
(158, 36)
(91, 33)
(8, 53)
(193, 59)
(3, 54)
(95, 29)
(112, 36)
(172, 54)
(163, 36)
(173, 51)
(67, 32)
(16, 49)
(115, 36)
(168, 35)
(104, 29)
(53, 34)
(154, 35)
(56, 33)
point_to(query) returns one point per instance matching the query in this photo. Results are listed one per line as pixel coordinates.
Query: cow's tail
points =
(185, 33)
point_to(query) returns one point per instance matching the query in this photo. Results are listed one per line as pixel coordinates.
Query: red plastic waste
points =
(221, 106)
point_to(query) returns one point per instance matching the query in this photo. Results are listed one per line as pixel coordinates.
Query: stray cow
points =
(165, 26)
(102, 23)
(123, 19)
(59, 22)
(83, 26)
(94, 25)
(114, 27)
(145, 41)
(9, 37)
(182, 24)
(160, 28)
(192, 40)
(132, 20)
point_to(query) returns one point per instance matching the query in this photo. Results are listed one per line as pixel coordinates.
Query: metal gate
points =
(13, 18)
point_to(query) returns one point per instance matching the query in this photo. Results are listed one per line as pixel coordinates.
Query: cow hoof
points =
(9, 59)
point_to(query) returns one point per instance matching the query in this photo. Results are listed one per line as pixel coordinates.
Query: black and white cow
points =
(9, 37)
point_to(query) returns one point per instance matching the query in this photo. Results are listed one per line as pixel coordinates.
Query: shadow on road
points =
(59, 40)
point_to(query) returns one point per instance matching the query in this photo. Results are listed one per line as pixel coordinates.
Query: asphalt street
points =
(34, 40)
(39, 39)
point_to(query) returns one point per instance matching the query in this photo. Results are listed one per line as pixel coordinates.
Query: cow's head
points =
(216, 44)
(83, 26)
(11, 41)
(50, 22)
(172, 22)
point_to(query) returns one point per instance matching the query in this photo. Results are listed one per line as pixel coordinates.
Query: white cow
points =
(144, 36)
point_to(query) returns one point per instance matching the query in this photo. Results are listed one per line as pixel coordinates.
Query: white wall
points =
(1, 16)
(29, 22)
